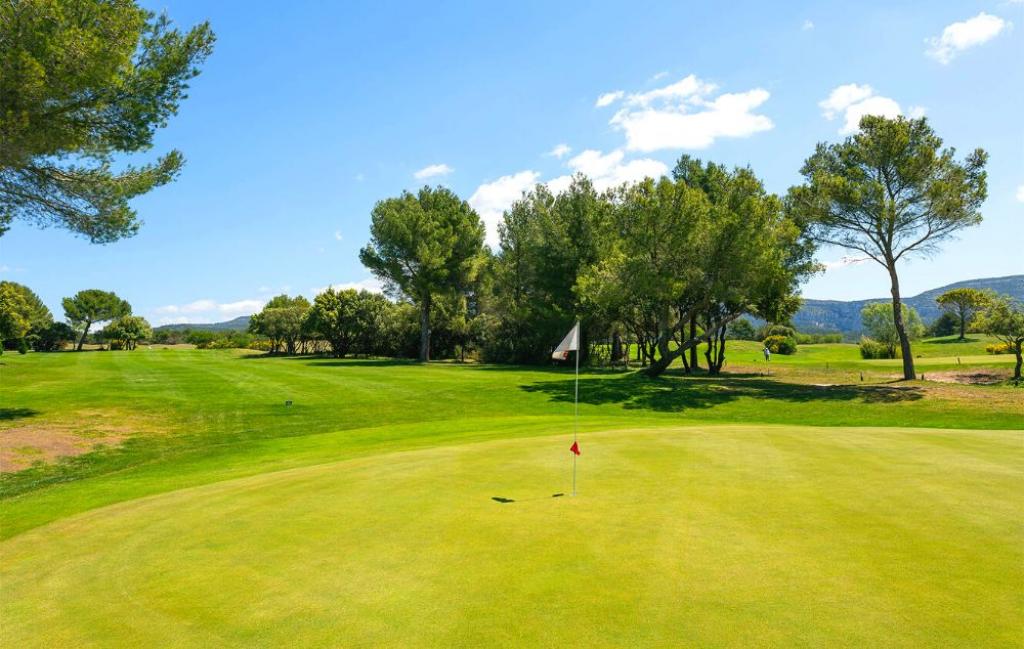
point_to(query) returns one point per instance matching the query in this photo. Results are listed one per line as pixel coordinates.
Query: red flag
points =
(575, 448)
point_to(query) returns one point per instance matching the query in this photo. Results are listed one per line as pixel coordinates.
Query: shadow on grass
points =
(17, 413)
(325, 360)
(672, 394)
(950, 341)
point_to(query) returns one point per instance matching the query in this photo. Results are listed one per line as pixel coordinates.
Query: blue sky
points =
(309, 112)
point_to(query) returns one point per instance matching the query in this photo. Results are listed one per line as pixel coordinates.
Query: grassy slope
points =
(220, 415)
(733, 535)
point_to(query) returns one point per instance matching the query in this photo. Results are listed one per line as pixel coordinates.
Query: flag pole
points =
(576, 407)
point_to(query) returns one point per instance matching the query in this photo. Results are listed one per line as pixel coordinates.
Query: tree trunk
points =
(963, 326)
(85, 332)
(616, 348)
(901, 328)
(425, 329)
(1020, 361)
(694, 366)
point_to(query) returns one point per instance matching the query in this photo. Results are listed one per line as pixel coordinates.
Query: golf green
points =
(709, 535)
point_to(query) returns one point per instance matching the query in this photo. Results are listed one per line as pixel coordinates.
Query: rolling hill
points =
(241, 323)
(814, 315)
(835, 315)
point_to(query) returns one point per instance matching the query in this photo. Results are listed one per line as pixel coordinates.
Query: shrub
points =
(53, 337)
(872, 349)
(777, 344)
(999, 348)
(741, 330)
(777, 330)
(945, 325)
(261, 345)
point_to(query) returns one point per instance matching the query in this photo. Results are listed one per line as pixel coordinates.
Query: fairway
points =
(709, 535)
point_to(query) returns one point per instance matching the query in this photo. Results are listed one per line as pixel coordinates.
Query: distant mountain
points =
(833, 315)
(813, 316)
(241, 323)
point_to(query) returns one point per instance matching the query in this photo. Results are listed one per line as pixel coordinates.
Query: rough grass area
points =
(704, 536)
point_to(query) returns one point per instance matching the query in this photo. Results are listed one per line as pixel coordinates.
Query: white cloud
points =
(854, 101)
(608, 98)
(686, 115)
(207, 310)
(964, 35)
(337, 235)
(844, 96)
(490, 200)
(432, 170)
(371, 284)
(607, 170)
(1020, 192)
(560, 151)
(4, 268)
(660, 75)
(807, 25)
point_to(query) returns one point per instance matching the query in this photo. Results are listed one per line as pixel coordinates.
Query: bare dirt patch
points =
(23, 446)
(975, 377)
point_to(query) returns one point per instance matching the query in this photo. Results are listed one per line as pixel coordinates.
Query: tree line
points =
(662, 266)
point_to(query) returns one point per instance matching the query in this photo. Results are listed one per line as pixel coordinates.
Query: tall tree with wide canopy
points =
(21, 311)
(281, 320)
(82, 81)
(964, 304)
(1004, 318)
(423, 246)
(888, 192)
(547, 242)
(712, 246)
(127, 331)
(91, 306)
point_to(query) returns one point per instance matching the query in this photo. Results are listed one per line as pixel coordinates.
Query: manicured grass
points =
(698, 536)
(193, 417)
(710, 512)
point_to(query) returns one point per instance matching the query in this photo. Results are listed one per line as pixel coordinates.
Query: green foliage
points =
(946, 324)
(81, 81)
(887, 192)
(777, 330)
(282, 320)
(425, 247)
(1003, 318)
(741, 329)
(91, 306)
(53, 337)
(878, 324)
(126, 331)
(21, 312)
(706, 247)
(964, 304)
(352, 321)
(818, 338)
(778, 344)
(872, 349)
(547, 243)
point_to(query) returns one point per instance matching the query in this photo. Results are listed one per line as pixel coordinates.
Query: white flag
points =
(570, 343)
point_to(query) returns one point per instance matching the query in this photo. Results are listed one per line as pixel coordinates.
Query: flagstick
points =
(576, 413)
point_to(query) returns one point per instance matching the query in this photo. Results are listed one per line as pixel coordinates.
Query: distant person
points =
(767, 354)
